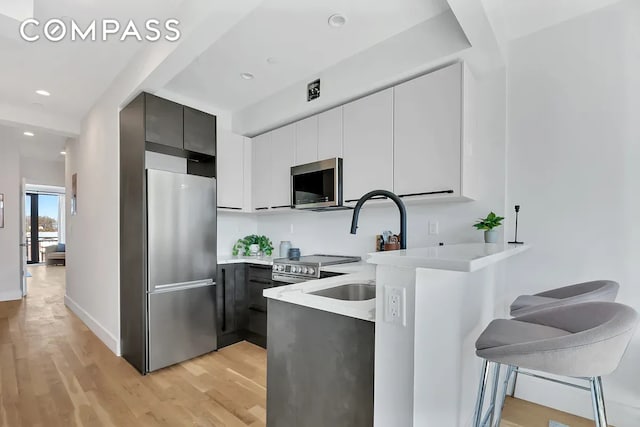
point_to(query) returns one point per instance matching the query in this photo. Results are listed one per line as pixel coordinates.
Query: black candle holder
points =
(515, 239)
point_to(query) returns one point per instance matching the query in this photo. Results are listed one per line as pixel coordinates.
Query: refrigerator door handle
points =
(180, 286)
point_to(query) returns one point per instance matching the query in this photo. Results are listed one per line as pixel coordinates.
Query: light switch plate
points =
(433, 227)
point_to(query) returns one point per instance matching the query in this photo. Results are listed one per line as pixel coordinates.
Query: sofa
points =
(56, 254)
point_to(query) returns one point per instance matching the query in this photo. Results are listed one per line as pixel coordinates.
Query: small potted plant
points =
(253, 245)
(488, 224)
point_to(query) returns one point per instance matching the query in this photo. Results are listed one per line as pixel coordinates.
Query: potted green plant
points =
(253, 245)
(488, 224)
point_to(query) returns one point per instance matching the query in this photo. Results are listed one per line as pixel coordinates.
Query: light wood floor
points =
(55, 372)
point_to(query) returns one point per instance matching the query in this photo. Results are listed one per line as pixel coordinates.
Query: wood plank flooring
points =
(56, 372)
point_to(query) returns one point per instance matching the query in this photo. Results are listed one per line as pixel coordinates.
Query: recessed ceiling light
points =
(42, 92)
(63, 153)
(272, 60)
(247, 76)
(27, 133)
(337, 20)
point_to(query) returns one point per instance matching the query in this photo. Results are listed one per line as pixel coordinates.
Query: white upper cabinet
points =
(413, 139)
(283, 146)
(261, 167)
(330, 134)
(428, 133)
(307, 140)
(230, 172)
(368, 145)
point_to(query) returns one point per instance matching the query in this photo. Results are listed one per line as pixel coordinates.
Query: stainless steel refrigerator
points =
(181, 267)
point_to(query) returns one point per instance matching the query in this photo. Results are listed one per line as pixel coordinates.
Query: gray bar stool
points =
(597, 290)
(584, 341)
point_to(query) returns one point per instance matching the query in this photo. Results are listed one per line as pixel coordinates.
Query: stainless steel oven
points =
(317, 185)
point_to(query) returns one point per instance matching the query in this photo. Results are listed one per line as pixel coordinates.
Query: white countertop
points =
(300, 293)
(462, 257)
(230, 259)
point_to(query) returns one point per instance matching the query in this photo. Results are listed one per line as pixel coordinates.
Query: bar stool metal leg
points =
(484, 376)
(597, 397)
(503, 396)
(512, 393)
(494, 391)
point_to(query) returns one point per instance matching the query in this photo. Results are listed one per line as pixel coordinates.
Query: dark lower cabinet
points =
(242, 310)
(258, 279)
(232, 316)
(320, 368)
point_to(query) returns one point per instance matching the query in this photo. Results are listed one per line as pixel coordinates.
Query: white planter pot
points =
(491, 236)
(254, 249)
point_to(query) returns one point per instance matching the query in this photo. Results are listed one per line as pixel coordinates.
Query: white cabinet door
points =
(330, 134)
(230, 170)
(282, 147)
(261, 167)
(427, 133)
(368, 145)
(307, 140)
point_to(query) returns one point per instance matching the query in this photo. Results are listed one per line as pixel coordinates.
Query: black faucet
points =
(397, 201)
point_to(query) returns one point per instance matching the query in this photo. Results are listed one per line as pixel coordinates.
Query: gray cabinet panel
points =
(199, 131)
(232, 300)
(312, 354)
(163, 121)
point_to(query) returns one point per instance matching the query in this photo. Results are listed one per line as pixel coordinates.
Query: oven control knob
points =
(280, 267)
(311, 270)
(294, 269)
(303, 270)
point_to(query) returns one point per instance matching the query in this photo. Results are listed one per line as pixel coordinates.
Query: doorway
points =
(42, 225)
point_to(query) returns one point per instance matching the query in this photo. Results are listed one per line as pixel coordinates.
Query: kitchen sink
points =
(349, 292)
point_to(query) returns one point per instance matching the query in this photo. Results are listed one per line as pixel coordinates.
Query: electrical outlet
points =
(394, 305)
(433, 227)
(553, 423)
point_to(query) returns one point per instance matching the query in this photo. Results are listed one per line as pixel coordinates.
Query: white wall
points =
(10, 287)
(42, 172)
(573, 154)
(92, 290)
(233, 226)
(328, 232)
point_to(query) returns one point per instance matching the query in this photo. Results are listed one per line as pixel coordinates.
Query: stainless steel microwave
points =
(317, 185)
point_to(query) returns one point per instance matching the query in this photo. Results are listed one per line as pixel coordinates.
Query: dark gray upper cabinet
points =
(199, 132)
(163, 121)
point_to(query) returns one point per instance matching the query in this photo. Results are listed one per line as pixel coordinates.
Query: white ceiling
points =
(76, 73)
(296, 34)
(43, 145)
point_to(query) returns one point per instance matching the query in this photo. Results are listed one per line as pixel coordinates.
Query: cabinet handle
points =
(224, 300)
(427, 193)
(283, 206)
(373, 198)
(262, 209)
(229, 207)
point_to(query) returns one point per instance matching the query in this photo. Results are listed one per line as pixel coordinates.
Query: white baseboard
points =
(11, 295)
(103, 334)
